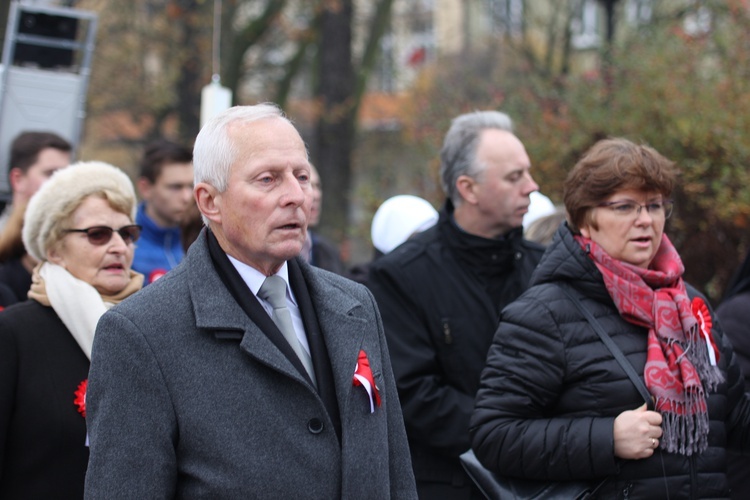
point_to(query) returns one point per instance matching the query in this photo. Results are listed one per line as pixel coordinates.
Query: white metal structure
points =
(44, 74)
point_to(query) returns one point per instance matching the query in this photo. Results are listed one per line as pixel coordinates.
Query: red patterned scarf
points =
(679, 370)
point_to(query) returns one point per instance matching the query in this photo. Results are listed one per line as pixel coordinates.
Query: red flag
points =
(417, 57)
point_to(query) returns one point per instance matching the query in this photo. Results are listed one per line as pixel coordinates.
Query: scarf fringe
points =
(696, 350)
(685, 431)
(685, 423)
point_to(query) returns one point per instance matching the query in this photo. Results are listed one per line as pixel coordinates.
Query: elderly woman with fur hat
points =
(79, 226)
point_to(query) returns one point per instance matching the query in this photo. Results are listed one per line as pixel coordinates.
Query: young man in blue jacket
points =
(166, 188)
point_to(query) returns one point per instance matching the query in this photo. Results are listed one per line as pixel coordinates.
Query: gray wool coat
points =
(188, 398)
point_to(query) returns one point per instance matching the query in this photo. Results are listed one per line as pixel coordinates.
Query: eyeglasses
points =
(631, 209)
(101, 235)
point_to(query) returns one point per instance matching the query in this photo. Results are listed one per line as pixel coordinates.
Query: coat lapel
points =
(342, 325)
(217, 311)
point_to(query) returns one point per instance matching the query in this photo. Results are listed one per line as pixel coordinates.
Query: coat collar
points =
(340, 316)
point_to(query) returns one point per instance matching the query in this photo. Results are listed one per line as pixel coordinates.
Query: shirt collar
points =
(254, 279)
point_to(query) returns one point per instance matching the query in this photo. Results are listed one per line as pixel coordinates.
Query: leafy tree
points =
(149, 65)
(154, 56)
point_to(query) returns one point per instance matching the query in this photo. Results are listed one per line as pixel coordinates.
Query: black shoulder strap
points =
(616, 352)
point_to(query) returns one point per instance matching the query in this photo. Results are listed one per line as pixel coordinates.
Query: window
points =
(698, 22)
(585, 25)
(639, 12)
(506, 16)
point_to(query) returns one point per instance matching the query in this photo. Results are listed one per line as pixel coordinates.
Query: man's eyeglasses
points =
(100, 235)
(631, 209)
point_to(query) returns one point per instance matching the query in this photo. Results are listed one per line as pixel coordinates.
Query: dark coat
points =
(43, 451)
(551, 391)
(189, 398)
(325, 254)
(734, 314)
(15, 281)
(439, 320)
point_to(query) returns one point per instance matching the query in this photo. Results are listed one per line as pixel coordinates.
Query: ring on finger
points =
(653, 442)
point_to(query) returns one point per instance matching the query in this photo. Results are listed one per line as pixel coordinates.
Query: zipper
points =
(626, 491)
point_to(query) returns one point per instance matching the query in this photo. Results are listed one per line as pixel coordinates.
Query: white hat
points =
(539, 206)
(398, 218)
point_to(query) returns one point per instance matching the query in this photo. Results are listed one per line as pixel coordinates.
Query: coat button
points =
(315, 426)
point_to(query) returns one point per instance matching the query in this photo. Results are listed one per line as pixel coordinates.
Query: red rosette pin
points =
(702, 314)
(80, 397)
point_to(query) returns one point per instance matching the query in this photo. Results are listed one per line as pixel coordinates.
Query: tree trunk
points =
(335, 132)
(192, 77)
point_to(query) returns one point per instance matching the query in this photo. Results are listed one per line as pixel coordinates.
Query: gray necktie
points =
(273, 291)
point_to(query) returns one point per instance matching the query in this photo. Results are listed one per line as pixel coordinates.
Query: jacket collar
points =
(488, 258)
(565, 260)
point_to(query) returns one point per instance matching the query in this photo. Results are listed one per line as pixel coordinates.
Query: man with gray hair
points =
(245, 372)
(440, 293)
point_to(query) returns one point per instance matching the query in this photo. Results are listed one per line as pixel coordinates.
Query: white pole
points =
(214, 97)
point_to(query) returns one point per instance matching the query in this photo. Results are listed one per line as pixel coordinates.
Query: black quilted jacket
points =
(551, 390)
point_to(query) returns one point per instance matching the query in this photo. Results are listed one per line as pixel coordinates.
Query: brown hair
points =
(25, 148)
(160, 153)
(609, 166)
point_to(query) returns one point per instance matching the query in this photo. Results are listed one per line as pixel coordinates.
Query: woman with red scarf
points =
(555, 405)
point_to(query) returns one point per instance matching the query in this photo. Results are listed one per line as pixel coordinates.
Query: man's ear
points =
(144, 188)
(466, 187)
(16, 177)
(209, 201)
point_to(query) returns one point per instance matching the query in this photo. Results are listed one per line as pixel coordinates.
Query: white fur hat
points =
(66, 186)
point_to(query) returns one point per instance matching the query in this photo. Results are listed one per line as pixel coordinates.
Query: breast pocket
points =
(462, 349)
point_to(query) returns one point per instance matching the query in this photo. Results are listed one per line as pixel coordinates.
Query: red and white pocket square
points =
(363, 376)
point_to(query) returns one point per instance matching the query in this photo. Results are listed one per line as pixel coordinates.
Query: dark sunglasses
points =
(100, 235)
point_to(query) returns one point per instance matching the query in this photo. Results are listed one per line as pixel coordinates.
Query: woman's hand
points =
(637, 433)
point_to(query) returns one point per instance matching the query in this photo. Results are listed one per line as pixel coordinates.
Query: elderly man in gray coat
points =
(244, 372)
